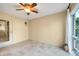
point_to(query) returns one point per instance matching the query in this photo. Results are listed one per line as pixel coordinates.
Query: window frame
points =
(74, 37)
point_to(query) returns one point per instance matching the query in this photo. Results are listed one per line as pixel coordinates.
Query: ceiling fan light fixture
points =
(28, 7)
(27, 10)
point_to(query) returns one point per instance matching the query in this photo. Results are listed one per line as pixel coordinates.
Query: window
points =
(4, 30)
(76, 30)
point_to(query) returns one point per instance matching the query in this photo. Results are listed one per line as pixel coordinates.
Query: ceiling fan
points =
(28, 7)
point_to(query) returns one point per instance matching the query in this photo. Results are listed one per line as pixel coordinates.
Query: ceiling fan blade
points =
(19, 9)
(26, 4)
(21, 4)
(34, 11)
(33, 5)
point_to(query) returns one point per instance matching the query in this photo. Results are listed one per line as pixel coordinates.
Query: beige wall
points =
(49, 29)
(18, 30)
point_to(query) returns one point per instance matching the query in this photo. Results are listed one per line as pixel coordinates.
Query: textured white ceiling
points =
(43, 9)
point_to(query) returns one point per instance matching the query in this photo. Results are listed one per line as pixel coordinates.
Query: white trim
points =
(76, 49)
(75, 37)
